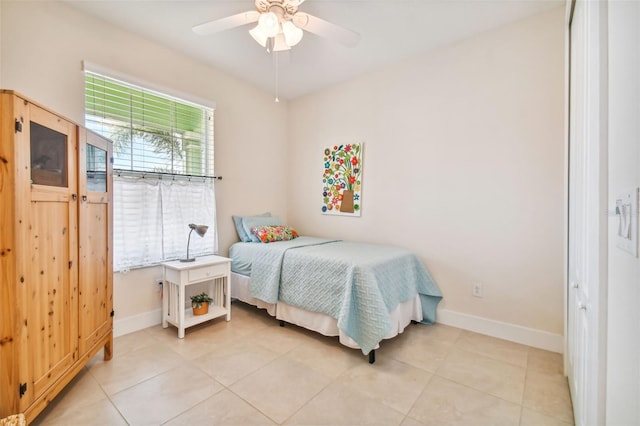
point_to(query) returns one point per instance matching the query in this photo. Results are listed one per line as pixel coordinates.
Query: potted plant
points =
(200, 303)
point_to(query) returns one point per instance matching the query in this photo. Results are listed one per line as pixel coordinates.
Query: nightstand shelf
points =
(214, 312)
(176, 309)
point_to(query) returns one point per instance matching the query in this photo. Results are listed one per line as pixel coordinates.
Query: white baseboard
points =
(502, 330)
(136, 322)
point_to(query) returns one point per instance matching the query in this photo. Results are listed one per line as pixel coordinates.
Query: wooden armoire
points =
(56, 275)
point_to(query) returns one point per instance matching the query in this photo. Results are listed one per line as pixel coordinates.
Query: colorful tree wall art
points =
(342, 180)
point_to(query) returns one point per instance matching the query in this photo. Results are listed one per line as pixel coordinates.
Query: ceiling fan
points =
(280, 25)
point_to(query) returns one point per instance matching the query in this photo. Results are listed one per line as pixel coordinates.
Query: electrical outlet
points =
(476, 289)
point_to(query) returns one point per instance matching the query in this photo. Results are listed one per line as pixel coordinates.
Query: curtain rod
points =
(160, 175)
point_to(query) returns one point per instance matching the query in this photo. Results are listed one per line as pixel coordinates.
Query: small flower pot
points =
(203, 309)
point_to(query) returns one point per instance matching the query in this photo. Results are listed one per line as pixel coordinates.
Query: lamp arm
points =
(189, 242)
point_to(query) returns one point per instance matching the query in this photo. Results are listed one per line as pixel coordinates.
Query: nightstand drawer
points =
(207, 272)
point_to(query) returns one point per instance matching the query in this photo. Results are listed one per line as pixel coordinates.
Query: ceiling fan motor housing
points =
(283, 8)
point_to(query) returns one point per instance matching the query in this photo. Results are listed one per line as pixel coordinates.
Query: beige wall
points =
(43, 46)
(463, 163)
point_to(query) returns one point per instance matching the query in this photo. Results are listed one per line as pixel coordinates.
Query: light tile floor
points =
(251, 371)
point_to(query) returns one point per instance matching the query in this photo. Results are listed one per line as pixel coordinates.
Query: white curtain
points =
(151, 218)
(185, 202)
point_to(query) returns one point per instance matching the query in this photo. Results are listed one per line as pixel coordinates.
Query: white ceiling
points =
(390, 31)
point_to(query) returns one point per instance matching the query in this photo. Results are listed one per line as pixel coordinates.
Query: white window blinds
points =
(151, 132)
(163, 166)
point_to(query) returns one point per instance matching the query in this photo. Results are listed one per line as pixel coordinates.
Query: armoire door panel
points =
(51, 287)
(95, 291)
(94, 294)
(51, 277)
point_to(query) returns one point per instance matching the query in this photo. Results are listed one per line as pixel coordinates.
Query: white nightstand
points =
(176, 310)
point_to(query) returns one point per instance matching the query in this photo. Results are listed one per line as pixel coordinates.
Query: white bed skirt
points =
(401, 317)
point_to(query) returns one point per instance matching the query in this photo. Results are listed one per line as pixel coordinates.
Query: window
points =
(163, 170)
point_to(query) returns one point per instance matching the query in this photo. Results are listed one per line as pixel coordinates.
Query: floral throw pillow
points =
(269, 234)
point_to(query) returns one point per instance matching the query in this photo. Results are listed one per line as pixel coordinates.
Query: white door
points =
(587, 212)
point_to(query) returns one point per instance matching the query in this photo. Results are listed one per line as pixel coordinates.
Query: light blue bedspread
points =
(357, 284)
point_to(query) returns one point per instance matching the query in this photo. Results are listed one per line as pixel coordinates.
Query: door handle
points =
(582, 306)
(575, 285)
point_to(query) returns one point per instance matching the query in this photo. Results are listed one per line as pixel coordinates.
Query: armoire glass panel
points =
(96, 169)
(48, 156)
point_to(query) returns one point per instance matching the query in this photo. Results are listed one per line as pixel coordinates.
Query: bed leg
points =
(281, 323)
(372, 356)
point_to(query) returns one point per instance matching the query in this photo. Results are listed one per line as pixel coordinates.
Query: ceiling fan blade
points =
(227, 23)
(326, 29)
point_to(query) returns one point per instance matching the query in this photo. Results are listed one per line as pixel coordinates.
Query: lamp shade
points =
(200, 229)
(269, 24)
(292, 34)
(259, 36)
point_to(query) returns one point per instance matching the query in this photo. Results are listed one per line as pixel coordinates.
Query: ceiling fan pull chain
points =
(275, 58)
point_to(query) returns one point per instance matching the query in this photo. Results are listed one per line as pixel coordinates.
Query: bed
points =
(362, 293)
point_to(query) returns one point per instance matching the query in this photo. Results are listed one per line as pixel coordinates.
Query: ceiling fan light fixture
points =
(259, 36)
(269, 24)
(292, 34)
